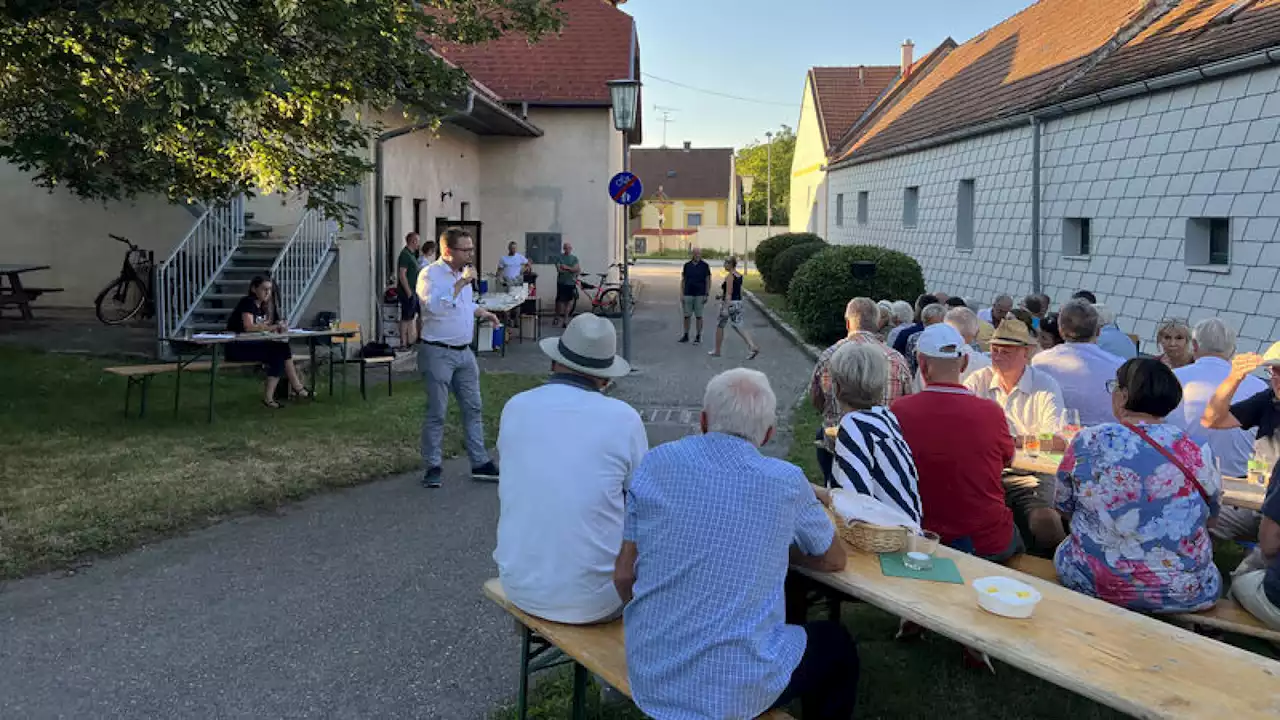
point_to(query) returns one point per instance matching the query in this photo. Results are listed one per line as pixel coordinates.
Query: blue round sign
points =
(625, 188)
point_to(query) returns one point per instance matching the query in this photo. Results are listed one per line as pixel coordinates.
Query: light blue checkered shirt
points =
(712, 520)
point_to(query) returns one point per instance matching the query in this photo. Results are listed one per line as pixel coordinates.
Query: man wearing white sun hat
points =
(568, 453)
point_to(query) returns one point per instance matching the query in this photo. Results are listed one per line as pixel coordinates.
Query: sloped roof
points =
(698, 173)
(842, 94)
(594, 46)
(1008, 69)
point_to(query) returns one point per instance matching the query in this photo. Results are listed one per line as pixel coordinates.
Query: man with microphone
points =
(449, 313)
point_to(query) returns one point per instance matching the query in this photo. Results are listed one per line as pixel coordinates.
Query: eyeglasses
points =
(1113, 385)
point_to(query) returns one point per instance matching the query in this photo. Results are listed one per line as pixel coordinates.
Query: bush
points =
(769, 250)
(825, 283)
(790, 260)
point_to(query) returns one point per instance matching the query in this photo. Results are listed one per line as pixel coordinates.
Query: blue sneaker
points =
(431, 478)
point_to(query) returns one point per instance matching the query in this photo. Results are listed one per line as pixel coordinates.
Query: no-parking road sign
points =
(625, 188)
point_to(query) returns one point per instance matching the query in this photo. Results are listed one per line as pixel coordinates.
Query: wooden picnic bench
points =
(140, 376)
(595, 648)
(1226, 614)
(1133, 663)
(17, 294)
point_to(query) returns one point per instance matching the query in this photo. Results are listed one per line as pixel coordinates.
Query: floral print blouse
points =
(1138, 526)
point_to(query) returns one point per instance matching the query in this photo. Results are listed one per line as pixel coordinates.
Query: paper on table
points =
(213, 336)
(299, 331)
(852, 506)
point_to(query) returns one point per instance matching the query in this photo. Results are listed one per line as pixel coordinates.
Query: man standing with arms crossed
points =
(695, 282)
(567, 270)
(406, 291)
(445, 359)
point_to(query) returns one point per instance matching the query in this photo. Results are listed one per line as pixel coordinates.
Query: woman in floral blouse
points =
(1139, 496)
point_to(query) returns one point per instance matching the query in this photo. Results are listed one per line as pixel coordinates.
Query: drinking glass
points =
(1031, 443)
(920, 550)
(1070, 424)
(1046, 441)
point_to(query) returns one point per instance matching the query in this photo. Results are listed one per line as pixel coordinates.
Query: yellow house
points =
(834, 100)
(688, 198)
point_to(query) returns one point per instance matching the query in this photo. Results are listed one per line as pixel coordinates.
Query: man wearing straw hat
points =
(568, 452)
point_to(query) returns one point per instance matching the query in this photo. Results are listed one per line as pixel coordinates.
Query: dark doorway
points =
(391, 226)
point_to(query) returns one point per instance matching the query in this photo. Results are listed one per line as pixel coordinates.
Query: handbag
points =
(1190, 476)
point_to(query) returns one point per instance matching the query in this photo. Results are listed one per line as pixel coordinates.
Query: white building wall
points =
(1138, 169)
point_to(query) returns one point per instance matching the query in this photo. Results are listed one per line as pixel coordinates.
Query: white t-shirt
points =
(1082, 371)
(1034, 406)
(511, 265)
(567, 454)
(1200, 380)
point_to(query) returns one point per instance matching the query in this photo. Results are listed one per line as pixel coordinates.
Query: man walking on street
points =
(567, 270)
(445, 359)
(695, 284)
(406, 291)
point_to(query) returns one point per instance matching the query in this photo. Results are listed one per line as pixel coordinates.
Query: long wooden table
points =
(1235, 492)
(16, 294)
(1135, 664)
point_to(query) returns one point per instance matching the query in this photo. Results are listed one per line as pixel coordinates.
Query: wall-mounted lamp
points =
(446, 194)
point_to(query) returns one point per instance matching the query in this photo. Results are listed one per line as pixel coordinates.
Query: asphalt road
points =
(359, 603)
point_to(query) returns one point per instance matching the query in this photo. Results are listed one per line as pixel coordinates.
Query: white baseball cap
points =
(941, 341)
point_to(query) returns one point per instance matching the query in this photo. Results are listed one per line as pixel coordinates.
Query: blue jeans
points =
(444, 371)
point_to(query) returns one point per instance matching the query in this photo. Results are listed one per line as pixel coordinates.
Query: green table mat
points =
(943, 570)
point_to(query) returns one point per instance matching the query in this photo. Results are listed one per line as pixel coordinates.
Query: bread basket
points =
(871, 538)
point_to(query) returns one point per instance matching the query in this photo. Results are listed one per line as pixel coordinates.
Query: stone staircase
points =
(255, 256)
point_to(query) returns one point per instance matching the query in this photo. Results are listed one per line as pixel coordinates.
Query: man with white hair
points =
(860, 317)
(1110, 337)
(903, 314)
(1001, 306)
(712, 526)
(1081, 368)
(931, 314)
(965, 321)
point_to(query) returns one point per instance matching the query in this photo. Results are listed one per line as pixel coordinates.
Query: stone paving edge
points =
(813, 351)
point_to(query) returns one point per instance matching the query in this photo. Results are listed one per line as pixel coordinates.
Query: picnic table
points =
(500, 304)
(191, 348)
(15, 293)
(1133, 663)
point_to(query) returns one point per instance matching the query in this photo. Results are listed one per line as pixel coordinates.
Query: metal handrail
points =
(300, 262)
(184, 277)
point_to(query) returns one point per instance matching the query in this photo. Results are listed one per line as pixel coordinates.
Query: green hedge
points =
(790, 260)
(768, 251)
(825, 283)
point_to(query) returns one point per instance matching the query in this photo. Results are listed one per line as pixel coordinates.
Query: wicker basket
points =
(871, 538)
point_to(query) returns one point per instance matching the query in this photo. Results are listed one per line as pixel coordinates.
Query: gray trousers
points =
(444, 371)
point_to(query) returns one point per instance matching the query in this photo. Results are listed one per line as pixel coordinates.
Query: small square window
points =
(864, 198)
(910, 206)
(693, 220)
(840, 210)
(964, 214)
(1208, 242)
(541, 248)
(1076, 238)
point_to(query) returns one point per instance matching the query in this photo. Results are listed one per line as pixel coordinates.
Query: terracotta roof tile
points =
(1008, 69)
(699, 173)
(593, 47)
(842, 94)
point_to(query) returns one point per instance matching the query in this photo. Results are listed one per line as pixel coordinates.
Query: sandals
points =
(300, 393)
(272, 404)
(753, 354)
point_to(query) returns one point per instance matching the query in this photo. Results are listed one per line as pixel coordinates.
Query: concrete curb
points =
(813, 351)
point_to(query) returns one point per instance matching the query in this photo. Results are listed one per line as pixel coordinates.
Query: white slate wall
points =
(1138, 169)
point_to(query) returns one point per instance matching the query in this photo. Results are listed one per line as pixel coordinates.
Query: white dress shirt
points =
(568, 453)
(1034, 405)
(1200, 380)
(446, 319)
(1082, 371)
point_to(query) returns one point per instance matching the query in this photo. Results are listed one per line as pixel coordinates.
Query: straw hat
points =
(589, 345)
(1272, 357)
(1013, 331)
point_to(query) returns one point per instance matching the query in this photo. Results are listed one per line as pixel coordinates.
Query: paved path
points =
(359, 603)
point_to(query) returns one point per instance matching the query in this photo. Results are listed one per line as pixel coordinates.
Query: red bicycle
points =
(605, 298)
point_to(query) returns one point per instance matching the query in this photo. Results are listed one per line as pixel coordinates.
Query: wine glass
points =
(1070, 424)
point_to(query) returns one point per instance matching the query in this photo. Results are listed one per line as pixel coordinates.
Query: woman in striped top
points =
(871, 457)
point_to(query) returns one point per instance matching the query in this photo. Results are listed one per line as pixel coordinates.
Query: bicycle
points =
(132, 291)
(607, 298)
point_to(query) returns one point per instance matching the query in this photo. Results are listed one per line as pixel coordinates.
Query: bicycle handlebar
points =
(124, 240)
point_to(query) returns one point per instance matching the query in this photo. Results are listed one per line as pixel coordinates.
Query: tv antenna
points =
(666, 119)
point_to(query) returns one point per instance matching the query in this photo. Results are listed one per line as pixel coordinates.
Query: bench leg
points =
(579, 692)
(128, 394)
(177, 389)
(363, 367)
(522, 699)
(213, 377)
(390, 368)
(146, 387)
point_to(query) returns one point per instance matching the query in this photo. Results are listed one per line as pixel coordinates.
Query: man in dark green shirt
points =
(567, 270)
(407, 290)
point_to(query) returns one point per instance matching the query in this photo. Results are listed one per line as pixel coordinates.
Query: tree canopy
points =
(203, 99)
(753, 160)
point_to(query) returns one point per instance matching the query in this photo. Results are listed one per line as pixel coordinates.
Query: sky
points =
(749, 49)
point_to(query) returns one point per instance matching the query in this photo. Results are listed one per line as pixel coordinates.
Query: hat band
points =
(583, 360)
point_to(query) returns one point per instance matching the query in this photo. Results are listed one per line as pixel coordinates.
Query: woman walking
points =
(731, 309)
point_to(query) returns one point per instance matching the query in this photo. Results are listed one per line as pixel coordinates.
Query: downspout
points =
(379, 202)
(1035, 204)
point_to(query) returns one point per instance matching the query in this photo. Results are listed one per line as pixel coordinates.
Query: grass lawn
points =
(923, 679)
(79, 479)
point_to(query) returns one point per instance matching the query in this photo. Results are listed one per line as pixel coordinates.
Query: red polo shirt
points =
(961, 445)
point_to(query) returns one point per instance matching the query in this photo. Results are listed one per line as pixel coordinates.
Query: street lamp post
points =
(747, 182)
(626, 96)
(768, 184)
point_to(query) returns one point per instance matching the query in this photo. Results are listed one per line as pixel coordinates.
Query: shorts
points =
(566, 293)
(693, 305)
(408, 306)
(731, 314)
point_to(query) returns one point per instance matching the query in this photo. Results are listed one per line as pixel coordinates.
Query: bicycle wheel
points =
(119, 301)
(610, 304)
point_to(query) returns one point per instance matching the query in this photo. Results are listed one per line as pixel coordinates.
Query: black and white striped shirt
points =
(873, 459)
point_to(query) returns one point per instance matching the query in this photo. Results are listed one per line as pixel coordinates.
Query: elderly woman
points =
(1139, 496)
(903, 316)
(256, 313)
(1174, 338)
(871, 457)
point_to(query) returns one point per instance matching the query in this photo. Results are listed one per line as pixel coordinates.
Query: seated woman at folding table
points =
(255, 313)
(1140, 496)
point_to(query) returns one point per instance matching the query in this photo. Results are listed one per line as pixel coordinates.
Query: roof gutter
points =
(1230, 66)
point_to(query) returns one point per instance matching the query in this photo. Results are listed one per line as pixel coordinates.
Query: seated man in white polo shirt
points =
(1081, 368)
(1032, 403)
(568, 452)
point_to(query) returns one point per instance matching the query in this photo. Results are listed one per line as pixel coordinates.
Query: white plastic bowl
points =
(1006, 597)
